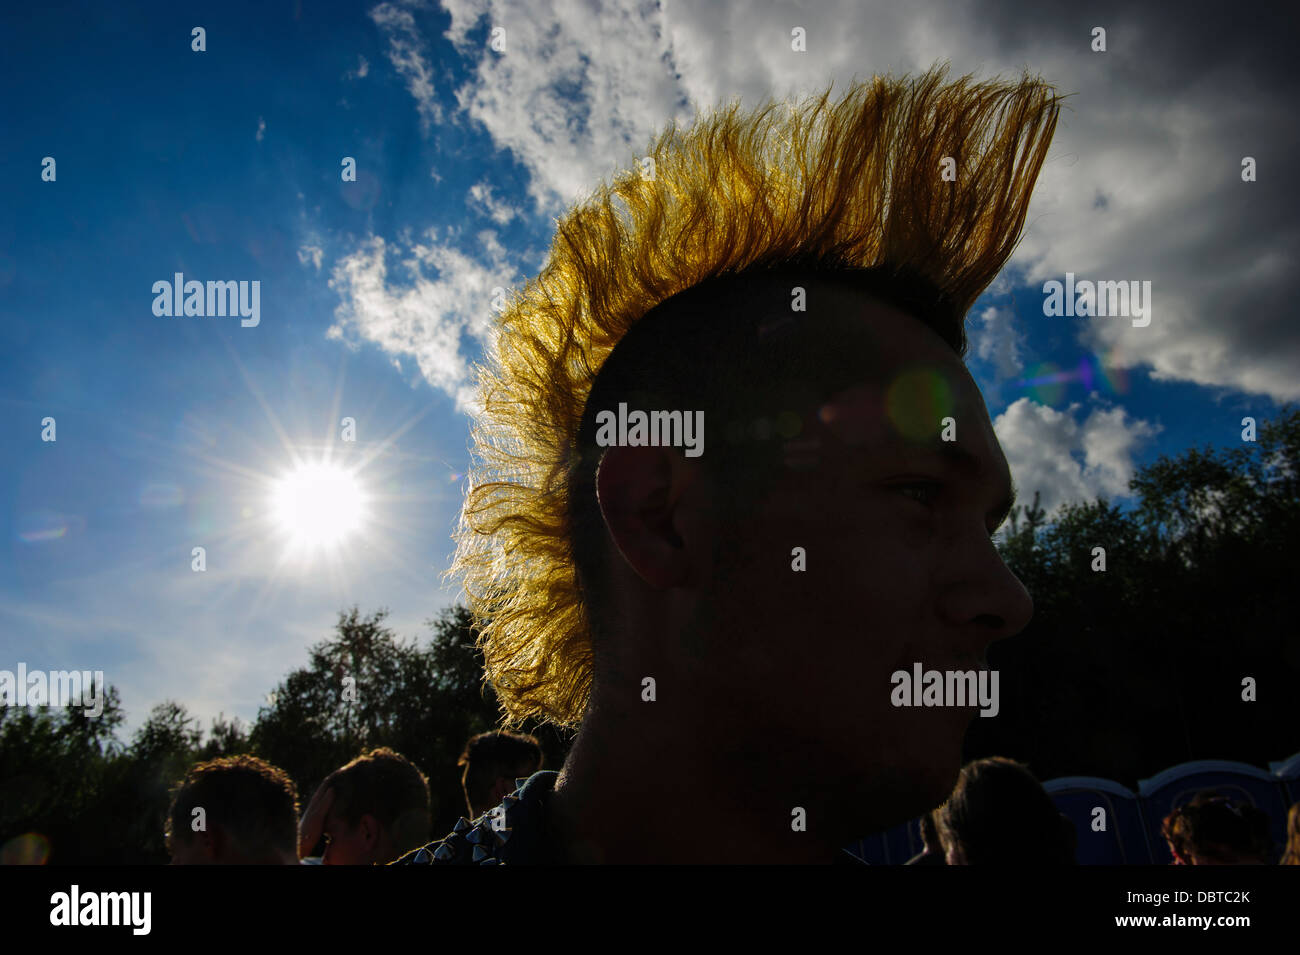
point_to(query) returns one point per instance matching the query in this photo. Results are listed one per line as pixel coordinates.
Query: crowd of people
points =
(241, 810)
(999, 814)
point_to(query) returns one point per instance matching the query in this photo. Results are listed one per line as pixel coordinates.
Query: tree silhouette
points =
(52, 767)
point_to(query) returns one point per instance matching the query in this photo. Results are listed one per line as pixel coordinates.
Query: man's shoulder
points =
(512, 833)
(456, 848)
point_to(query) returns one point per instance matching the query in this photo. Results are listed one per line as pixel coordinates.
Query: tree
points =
(226, 738)
(53, 763)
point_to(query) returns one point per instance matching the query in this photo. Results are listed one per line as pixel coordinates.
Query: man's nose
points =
(984, 598)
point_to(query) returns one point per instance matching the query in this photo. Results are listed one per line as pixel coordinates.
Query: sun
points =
(318, 505)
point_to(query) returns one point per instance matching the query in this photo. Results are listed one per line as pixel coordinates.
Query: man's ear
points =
(642, 492)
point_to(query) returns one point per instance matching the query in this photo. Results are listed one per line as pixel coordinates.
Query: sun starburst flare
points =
(318, 505)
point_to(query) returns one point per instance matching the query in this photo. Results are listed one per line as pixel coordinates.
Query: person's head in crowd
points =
(999, 814)
(378, 808)
(721, 608)
(1214, 829)
(1291, 856)
(490, 764)
(237, 810)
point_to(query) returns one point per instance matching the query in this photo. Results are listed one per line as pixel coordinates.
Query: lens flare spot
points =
(31, 848)
(1046, 383)
(41, 526)
(1114, 374)
(916, 401)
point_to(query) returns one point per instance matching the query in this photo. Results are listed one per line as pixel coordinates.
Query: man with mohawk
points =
(723, 628)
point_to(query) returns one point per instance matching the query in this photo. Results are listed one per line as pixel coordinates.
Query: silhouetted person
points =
(369, 811)
(490, 764)
(238, 810)
(713, 512)
(999, 814)
(1217, 830)
(932, 853)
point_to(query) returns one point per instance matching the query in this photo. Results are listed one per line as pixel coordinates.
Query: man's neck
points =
(630, 794)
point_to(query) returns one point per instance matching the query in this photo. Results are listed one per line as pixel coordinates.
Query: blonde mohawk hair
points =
(848, 184)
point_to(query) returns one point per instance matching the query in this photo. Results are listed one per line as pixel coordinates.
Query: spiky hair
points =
(852, 183)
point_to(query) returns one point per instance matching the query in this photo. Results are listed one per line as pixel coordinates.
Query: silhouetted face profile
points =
(794, 666)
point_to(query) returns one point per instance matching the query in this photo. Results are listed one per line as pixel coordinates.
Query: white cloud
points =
(261, 129)
(993, 337)
(580, 89)
(482, 200)
(429, 319)
(312, 254)
(406, 51)
(361, 72)
(1067, 460)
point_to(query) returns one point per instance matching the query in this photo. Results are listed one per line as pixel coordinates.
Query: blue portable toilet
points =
(1288, 770)
(1123, 841)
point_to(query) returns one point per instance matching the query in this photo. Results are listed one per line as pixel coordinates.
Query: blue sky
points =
(225, 165)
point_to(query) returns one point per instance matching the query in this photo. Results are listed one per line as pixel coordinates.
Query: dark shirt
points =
(520, 837)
